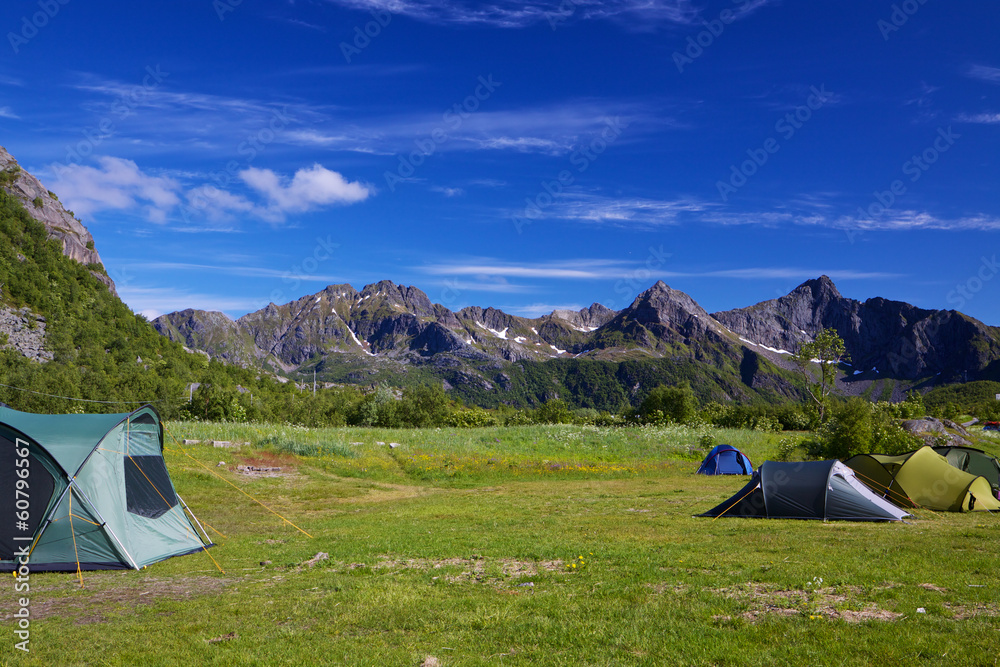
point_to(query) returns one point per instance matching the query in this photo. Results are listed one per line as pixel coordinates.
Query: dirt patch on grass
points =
(963, 612)
(932, 587)
(95, 604)
(473, 569)
(266, 464)
(840, 602)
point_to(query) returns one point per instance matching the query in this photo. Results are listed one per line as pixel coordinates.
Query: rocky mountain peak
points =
(405, 297)
(44, 206)
(585, 319)
(819, 290)
(661, 303)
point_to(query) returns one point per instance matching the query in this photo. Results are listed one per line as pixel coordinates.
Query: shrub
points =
(859, 427)
(666, 405)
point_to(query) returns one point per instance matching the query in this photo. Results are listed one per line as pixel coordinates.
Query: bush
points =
(472, 418)
(666, 405)
(787, 448)
(859, 427)
(554, 411)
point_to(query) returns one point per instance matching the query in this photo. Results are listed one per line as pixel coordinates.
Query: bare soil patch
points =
(94, 605)
(840, 602)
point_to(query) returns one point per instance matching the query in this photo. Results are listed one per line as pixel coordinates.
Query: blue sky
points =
(528, 156)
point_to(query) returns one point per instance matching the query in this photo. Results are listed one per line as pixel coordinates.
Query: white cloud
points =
(448, 192)
(620, 211)
(116, 184)
(552, 129)
(911, 220)
(980, 118)
(309, 189)
(5, 112)
(242, 271)
(524, 145)
(574, 269)
(512, 14)
(219, 205)
(984, 73)
(119, 184)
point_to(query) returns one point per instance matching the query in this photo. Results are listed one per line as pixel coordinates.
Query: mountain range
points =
(596, 357)
(386, 331)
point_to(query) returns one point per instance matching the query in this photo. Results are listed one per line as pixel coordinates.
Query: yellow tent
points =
(924, 478)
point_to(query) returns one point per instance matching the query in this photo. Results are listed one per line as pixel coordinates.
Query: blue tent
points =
(726, 460)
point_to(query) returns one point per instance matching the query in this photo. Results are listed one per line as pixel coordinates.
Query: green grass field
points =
(520, 546)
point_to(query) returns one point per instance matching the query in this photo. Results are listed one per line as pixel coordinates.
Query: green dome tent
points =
(924, 478)
(88, 492)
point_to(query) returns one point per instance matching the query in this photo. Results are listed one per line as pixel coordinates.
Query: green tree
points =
(424, 405)
(827, 349)
(554, 411)
(859, 427)
(675, 404)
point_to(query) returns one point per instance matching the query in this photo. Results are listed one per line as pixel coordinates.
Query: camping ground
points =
(540, 545)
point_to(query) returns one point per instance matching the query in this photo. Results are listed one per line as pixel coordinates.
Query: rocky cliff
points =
(44, 206)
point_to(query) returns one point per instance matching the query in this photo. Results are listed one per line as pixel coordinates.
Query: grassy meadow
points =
(535, 545)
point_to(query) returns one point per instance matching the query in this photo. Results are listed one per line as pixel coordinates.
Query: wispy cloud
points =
(448, 192)
(6, 112)
(914, 220)
(553, 129)
(979, 118)
(575, 269)
(984, 73)
(512, 14)
(632, 212)
(240, 271)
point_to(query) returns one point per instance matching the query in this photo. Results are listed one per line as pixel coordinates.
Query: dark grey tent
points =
(825, 490)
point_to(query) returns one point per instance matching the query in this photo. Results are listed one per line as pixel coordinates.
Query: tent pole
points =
(104, 524)
(208, 540)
